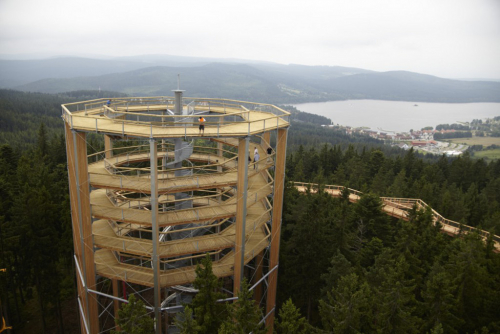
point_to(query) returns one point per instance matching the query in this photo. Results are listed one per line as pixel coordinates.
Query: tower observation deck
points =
(163, 193)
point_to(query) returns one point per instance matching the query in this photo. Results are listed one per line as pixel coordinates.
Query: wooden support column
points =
(116, 293)
(241, 212)
(279, 187)
(266, 139)
(108, 147)
(155, 259)
(79, 188)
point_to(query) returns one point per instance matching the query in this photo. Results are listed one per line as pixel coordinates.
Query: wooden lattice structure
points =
(163, 193)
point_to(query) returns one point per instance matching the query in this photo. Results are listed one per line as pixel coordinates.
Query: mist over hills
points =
(15, 72)
(20, 72)
(152, 75)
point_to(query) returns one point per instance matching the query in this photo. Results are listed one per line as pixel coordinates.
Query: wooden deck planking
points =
(256, 122)
(107, 265)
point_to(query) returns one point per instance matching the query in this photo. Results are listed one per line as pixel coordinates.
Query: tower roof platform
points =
(153, 117)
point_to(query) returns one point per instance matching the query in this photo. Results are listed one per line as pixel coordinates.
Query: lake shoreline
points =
(399, 116)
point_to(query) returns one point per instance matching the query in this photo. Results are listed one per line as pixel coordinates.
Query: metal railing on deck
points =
(133, 154)
(152, 112)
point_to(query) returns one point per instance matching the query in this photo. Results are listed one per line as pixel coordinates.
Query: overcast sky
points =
(447, 38)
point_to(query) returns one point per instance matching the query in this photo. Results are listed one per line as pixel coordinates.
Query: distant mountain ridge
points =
(20, 72)
(16, 72)
(257, 81)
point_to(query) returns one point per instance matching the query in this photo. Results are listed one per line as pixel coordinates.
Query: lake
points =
(399, 115)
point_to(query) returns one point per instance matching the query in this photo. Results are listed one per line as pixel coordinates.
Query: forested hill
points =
(18, 72)
(21, 113)
(273, 83)
(353, 269)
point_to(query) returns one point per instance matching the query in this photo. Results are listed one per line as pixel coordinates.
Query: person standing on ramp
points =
(202, 120)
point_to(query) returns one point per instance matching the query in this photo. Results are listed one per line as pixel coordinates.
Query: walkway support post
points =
(241, 212)
(79, 190)
(279, 187)
(266, 139)
(116, 293)
(108, 147)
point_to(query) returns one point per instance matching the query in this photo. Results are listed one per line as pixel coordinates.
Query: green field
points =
(488, 154)
(485, 141)
(491, 154)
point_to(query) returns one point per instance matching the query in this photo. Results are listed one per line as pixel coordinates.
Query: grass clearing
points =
(488, 154)
(485, 141)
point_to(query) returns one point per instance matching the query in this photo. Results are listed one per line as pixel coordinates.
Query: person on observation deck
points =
(202, 120)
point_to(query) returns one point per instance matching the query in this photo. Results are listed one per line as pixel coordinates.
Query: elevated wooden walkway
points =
(115, 240)
(399, 207)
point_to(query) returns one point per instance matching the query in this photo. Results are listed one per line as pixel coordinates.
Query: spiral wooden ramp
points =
(112, 237)
(164, 192)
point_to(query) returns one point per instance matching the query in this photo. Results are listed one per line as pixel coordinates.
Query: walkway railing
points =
(123, 115)
(405, 204)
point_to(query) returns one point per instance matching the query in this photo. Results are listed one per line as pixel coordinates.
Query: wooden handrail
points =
(389, 201)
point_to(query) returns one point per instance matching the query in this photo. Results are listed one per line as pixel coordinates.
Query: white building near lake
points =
(453, 153)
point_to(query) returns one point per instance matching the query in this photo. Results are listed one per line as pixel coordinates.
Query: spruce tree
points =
(395, 299)
(438, 329)
(339, 266)
(309, 239)
(290, 320)
(243, 315)
(368, 210)
(42, 141)
(186, 323)
(467, 267)
(207, 311)
(439, 302)
(133, 318)
(347, 308)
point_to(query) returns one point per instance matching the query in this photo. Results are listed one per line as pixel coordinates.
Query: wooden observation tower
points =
(163, 193)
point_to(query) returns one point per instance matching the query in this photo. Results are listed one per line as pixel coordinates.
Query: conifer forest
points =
(344, 267)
